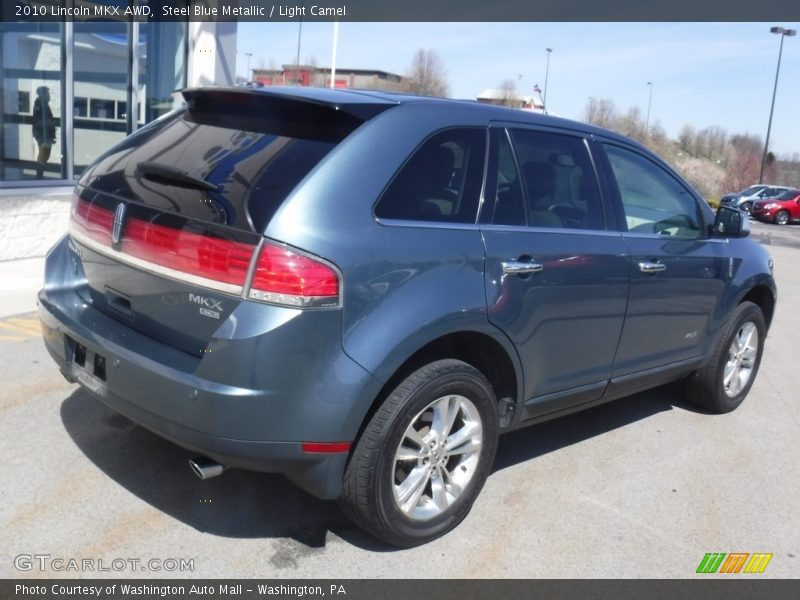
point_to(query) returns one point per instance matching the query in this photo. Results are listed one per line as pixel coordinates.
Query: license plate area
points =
(87, 367)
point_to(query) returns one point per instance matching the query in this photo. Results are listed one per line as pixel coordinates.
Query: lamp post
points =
(247, 75)
(783, 33)
(546, 74)
(297, 62)
(333, 53)
(649, 104)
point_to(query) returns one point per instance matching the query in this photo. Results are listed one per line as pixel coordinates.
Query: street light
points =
(546, 74)
(297, 62)
(783, 33)
(247, 75)
(649, 104)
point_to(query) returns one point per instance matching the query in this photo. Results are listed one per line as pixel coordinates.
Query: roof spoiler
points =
(362, 106)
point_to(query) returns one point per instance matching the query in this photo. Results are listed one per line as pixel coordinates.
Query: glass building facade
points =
(69, 91)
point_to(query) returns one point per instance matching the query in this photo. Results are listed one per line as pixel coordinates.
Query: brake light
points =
(282, 276)
(212, 258)
(92, 221)
(286, 277)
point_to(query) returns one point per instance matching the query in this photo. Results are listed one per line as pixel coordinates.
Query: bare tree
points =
(427, 75)
(686, 139)
(704, 175)
(747, 142)
(742, 171)
(508, 93)
(600, 112)
(717, 139)
(631, 123)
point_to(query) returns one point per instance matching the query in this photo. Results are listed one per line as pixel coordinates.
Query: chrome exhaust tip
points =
(206, 468)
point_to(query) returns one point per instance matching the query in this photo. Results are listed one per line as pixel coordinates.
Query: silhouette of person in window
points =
(44, 126)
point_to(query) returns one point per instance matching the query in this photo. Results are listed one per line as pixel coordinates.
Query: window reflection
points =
(31, 95)
(34, 138)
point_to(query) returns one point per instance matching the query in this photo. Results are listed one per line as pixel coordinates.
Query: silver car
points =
(745, 199)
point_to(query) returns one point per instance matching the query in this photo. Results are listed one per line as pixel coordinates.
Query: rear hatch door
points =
(166, 224)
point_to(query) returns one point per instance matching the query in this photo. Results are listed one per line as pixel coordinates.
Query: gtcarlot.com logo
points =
(735, 562)
(47, 562)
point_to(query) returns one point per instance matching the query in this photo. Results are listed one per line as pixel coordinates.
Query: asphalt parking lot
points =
(643, 487)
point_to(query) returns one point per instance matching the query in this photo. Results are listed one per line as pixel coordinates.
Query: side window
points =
(653, 201)
(559, 187)
(440, 182)
(504, 202)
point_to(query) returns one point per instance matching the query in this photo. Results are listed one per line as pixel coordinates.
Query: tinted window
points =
(653, 201)
(504, 204)
(440, 182)
(787, 195)
(752, 190)
(559, 188)
(250, 160)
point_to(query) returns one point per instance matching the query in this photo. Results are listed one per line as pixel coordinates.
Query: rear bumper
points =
(194, 402)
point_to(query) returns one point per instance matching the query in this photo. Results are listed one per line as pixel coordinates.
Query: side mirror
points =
(731, 222)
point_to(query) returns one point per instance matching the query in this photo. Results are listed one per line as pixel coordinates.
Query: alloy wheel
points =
(741, 359)
(437, 457)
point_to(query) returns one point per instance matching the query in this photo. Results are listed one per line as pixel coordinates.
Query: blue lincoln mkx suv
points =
(362, 290)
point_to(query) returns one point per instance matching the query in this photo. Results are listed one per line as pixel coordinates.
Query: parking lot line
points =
(18, 329)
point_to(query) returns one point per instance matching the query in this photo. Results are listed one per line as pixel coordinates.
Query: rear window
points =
(229, 158)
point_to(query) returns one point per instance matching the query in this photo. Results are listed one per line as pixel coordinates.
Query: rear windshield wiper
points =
(167, 174)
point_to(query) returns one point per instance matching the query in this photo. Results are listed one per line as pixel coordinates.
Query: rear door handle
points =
(652, 267)
(517, 267)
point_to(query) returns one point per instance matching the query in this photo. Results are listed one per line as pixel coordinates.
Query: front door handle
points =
(652, 267)
(517, 267)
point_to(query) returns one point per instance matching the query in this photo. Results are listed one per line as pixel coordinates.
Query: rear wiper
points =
(161, 173)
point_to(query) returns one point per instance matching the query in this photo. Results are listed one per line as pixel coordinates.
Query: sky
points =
(703, 74)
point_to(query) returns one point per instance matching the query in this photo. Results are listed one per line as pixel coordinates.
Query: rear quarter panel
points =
(404, 284)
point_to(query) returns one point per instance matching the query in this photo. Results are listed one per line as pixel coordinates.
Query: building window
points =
(102, 109)
(80, 107)
(35, 139)
(24, 102)
(31, 96)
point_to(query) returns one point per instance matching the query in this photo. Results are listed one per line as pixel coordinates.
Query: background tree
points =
(508, 93)
(600, 112)
(427, 75)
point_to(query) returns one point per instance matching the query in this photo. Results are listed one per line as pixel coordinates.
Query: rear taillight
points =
(92, 221)
(282, 276)
(286, 277)
(206, 257)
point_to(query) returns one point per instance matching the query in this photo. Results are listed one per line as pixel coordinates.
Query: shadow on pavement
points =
(238, 504)
(242, 504)
(537, 440)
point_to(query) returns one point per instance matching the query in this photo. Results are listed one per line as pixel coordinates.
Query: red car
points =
(781, 209)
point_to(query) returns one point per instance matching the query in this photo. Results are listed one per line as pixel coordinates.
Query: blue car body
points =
(256, 384)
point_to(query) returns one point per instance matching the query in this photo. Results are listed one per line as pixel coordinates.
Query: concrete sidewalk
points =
(20, 280)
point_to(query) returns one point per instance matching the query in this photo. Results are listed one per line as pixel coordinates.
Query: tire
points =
(747, 207)
(707, 387)
(373, 492)
(781, 217)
